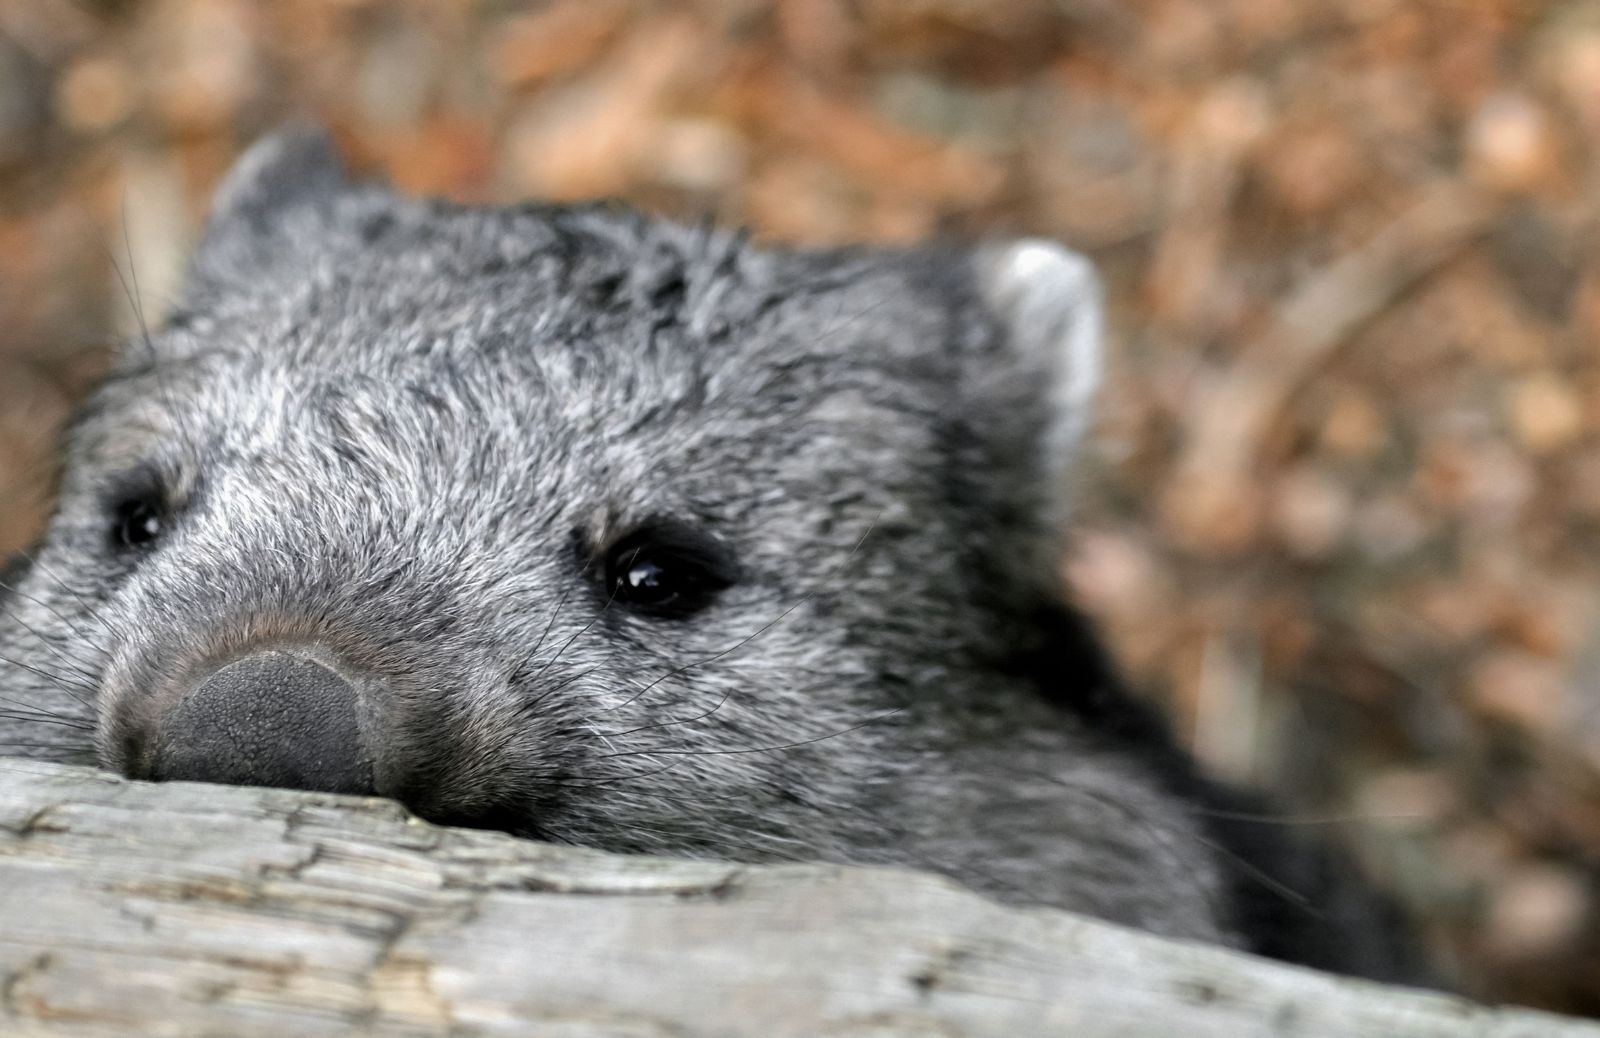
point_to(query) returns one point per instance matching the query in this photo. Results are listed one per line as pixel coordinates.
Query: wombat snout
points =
(272, 718)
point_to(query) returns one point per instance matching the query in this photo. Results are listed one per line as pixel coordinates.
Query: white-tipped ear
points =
(1048, 298)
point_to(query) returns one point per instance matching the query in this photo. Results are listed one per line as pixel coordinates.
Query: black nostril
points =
(270, 719)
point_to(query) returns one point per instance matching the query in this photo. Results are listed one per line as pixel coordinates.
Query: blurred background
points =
(1343, 512)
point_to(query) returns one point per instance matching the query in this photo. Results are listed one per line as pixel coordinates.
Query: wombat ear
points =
(291, 166)
(291, 169)
(1048, 299)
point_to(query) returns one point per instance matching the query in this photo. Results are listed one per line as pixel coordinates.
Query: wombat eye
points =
(138, 524)
(667, 571)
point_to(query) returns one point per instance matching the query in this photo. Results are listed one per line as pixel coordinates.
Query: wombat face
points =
(562, 521)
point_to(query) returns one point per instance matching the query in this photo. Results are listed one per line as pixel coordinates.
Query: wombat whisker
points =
(712, 658)
(74, 668)
(42, 711)
(44, 753)
(843, 322)
(582, 631)
(54, 679)
(1161, 835)
(563, 685)
(1164, 834)
(42, 718)
(136, 303)
(42, 605)
(554, 615)
(29, 712)
(21, 765)
(1342, 818)
(88, 606)
(34, 744)
(721, 702)
(614, 779)
(144, 339)
(655, 792)
(1266, 880)
(599, 735)
(73, 671)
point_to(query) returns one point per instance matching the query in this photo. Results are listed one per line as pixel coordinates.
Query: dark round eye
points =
(669, 572)
(138, 524)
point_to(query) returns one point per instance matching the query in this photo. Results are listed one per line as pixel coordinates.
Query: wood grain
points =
(186, 909)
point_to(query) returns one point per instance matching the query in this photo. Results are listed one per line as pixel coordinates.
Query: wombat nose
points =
(268, 719)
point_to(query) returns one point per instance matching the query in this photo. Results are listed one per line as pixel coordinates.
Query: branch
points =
(129, 908)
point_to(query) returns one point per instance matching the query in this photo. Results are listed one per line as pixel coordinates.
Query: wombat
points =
(593, 528)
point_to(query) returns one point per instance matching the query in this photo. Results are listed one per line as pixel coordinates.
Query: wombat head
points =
(561, 520)
(586, 526)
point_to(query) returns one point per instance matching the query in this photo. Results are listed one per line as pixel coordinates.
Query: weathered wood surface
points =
(128, 908)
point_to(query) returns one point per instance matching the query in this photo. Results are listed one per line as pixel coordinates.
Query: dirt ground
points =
(1343, 507)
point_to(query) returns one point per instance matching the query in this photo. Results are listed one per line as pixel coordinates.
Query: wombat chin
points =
(595, 528)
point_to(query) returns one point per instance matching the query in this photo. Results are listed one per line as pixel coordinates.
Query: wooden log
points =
(183, 909)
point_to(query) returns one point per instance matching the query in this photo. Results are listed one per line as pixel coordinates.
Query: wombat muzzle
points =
(268, 719)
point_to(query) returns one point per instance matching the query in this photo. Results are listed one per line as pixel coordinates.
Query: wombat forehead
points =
(515, 429)
(554, 278)
(467, 344)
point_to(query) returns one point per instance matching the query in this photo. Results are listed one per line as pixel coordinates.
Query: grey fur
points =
(402, 433)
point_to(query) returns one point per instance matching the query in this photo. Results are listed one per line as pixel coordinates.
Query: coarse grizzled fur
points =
(404, 437)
